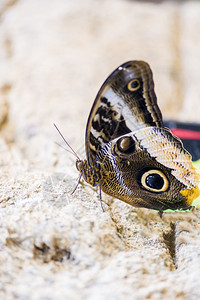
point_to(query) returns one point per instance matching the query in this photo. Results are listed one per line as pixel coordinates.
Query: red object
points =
(186, 134)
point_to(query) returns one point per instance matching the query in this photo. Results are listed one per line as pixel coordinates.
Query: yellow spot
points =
(190, 194)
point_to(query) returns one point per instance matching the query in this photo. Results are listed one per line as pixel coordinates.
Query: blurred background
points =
(56, 54)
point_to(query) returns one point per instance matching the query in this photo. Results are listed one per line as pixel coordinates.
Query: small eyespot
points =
(133, 85)
(154, 181)
(115, 115)
(126, 145)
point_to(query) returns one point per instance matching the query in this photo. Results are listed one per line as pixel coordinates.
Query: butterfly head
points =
(92, 175)
(80, 165)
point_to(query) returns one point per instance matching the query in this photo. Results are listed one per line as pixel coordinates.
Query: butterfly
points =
(130, 154)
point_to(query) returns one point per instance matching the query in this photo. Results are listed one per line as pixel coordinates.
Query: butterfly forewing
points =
(126, 102)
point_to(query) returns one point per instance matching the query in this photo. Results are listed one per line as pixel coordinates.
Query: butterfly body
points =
(130, 154)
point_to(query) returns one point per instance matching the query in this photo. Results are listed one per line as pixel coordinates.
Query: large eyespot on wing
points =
(168, 150)
(153, 180)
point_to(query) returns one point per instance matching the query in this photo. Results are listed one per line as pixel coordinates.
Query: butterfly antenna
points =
(66, 143)
(64, 148)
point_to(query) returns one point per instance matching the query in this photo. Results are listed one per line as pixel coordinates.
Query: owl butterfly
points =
(130, 154)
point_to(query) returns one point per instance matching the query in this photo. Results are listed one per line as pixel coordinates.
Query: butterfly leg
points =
(100, 198)
(81, 174)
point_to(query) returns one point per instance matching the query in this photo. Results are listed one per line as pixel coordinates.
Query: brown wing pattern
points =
(126, 102)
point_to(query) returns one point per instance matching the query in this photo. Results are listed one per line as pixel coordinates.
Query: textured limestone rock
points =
(54, 57)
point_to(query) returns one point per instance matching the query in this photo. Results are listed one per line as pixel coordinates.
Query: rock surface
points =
(54, 57)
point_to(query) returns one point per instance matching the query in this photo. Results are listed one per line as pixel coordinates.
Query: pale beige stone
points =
(54, 57)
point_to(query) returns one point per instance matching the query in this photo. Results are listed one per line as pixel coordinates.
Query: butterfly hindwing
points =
(148, 168)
